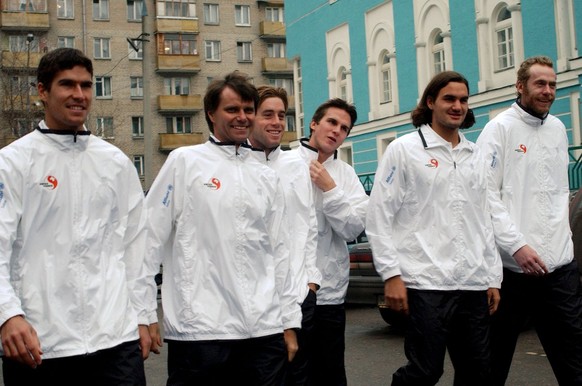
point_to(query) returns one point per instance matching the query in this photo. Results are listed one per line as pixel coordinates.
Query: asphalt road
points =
(374, 352)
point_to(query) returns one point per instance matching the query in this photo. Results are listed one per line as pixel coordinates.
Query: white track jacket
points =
(429, 218)
(528, 163)
(71, 242)
(217, 226)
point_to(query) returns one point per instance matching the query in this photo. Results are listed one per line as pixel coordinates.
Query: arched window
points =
(504, 39)
(342, 84)
(386, 79)
(438, 53)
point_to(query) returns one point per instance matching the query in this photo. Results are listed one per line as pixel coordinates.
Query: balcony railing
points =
(169, 142)
(179, 103)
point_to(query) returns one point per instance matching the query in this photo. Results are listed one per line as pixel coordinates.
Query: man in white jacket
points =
(340, 203)
(527, 153)
(432, 240)
(71, 245)
(217, 225)
(301, 225)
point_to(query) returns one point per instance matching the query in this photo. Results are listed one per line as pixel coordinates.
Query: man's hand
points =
(493, 299)
(154, 330)
(145, 341)
(20, 341)
(395, 294)
(320, 176)
(291, 343)
(529, 261)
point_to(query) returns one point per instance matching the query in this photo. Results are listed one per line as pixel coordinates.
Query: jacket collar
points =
(310, 152)
(230, 148)
(65, 139)
(527, 116)
(430, 139)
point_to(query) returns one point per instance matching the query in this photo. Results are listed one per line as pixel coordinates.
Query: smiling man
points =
(217, 224)
(432, 240)
(71, 245)
(527, 150)
(340, 203)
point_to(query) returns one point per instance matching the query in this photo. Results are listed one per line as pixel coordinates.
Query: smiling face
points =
(233, 117)
(449, 108)
(329, 133)
(68, 101)
(539, 91)
(269, 124)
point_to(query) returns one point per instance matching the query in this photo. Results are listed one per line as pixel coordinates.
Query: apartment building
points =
(153, 60)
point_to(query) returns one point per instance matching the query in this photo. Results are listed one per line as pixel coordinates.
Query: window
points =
(176, 86)
(136, 86)
(504, 35)
(177, 8)
(274, 14)
(284, 83)
(276, 50)
(386, 79)
(22, 85)
(137, 127)
(438, 53)
(242, 15)
(100, 9)
(65, 9)
(290, 121)
(211, 15)
(101, 48)
(66, 41)
(244, 52)
(178, 125)
(103, 87)
(139, 163)
(212, 50)
(25, 5)
(20, 43)
(134, 10)
(104, 127)
(180, 44)
(345, 154)
(133, 54)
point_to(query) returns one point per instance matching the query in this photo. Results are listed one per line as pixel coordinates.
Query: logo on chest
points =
(433, 163)
(51, 183)
(213, 183)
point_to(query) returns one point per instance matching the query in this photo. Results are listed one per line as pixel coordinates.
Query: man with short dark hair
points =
(527, 152)
(217, 225)
(71, 245)
(432, 240)
(340, 203)
(269, 126)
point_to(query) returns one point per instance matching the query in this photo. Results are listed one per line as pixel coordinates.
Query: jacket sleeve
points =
(345, 205)
(386, 199)
(163, 207)
(492, 143)
(290, 310)
(134, 242)
(11, 191)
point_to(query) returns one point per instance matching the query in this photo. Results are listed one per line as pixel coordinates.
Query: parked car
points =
(366, 286)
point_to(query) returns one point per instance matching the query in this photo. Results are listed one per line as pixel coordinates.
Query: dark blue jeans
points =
(553, 304)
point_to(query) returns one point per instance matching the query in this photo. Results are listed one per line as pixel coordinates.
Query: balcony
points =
(277, 66)
(17, 60)
(178, 63)
(169, 142)
(272, 29)
(165, 25)
(179, 103)
(24, 21)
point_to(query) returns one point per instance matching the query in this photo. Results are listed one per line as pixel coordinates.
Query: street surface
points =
(374, 352)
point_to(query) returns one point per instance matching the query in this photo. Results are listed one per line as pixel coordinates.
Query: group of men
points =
(252, 240)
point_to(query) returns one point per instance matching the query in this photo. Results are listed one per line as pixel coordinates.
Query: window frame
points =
(65, 39)
(174, 120)
(137, 127)
(103, 85)
(139, 163)
(208, 12)
(244, 52)
(134, 10)
(177, 85)
(68, 7)
(240, 15)
(101, 130)
(504, 27)
(136, 87)
(215, 48)
(102, 8)
(102, 51)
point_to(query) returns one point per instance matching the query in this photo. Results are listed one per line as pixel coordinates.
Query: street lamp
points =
(29, 39)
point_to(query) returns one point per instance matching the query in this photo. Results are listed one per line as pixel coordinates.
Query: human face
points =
(329, 133)
(68, 101)
(449, 109)
(233, 117)
(539, 92)
(269, 124)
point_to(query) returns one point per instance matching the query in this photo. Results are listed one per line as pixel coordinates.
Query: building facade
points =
(380, 54)
(153, 60)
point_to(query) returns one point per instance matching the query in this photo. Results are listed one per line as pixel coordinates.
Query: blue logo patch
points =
(494, 160)
(166, 201)
(390, 177)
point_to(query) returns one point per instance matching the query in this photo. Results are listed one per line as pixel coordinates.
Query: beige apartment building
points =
(151, 67)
